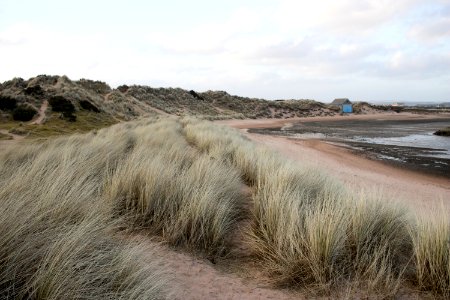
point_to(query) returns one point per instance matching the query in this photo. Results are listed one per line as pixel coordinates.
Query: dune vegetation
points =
(76, 106)
(70, 206)
(443, 132)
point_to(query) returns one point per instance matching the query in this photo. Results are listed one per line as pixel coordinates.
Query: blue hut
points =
(344, 104)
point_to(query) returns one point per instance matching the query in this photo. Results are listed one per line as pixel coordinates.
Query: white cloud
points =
(208, 38)
(340, 17)
(286, 49)
(435, 29)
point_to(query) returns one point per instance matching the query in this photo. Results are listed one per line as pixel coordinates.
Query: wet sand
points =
(414, 188)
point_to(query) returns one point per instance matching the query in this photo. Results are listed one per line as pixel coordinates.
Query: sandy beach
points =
(413, 188)
(265, 123)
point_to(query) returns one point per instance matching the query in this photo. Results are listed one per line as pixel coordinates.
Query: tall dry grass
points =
(66, 204)
(56, 242)
(431, 239)
(193, 204)
(309, 230)
(169, 188)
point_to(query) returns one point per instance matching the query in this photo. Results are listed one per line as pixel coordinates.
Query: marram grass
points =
(66, 205)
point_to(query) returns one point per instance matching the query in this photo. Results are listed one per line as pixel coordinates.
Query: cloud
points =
(30, 50)
(416, 65)
(433, 26)
(340, 17)
(291, 49)
(210, 38)
(14, 35)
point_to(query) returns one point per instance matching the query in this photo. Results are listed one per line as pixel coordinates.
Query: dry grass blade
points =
(431, 240)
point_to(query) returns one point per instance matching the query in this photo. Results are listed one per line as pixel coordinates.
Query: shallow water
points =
(408, 143)
(439, 143)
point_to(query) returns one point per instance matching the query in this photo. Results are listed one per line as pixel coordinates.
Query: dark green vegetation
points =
(85, 104)
(443, 132)
(7, 103)
(24, 113)
(61, 104)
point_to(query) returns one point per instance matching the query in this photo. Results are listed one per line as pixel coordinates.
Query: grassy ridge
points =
(66, 204)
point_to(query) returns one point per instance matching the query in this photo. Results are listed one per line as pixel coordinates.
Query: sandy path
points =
(413, 188)
(197, 278)
(41, 114)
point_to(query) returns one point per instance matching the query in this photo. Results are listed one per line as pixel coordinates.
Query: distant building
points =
(344, 104)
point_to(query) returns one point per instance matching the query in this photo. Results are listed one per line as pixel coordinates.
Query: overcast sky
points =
(359, 49)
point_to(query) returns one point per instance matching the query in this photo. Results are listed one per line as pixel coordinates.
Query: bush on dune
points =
(7, 103)
(24, 113)
(61, 104)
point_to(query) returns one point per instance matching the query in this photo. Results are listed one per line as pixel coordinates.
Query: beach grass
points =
(431, 239)
(309, 230)
(69, 207)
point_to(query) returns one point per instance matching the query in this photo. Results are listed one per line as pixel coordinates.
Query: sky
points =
(367, 50)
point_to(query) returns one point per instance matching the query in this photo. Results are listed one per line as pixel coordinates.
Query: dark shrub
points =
(69, 116)
(24, 113)
(87, 105)
(16, 82)
(61, 104)
(7, 103)
(123, 88)
(34, 91)
(46, 79)
(195, 95)
(443, 132)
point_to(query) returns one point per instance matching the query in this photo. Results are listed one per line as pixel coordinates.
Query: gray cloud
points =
(315, 54)
(413, 66)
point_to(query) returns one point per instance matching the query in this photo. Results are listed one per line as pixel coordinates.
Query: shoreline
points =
(413, 188)
(273, 123)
